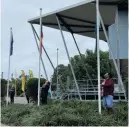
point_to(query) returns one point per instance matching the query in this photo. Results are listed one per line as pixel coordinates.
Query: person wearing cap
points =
(108, 91)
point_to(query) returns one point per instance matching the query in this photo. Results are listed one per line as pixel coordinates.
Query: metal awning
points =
(81, 18)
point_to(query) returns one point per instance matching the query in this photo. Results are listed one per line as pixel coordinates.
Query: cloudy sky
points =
(15, 14)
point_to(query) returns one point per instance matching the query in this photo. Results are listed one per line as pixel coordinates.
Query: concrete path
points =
(19, 100)
(2, 125)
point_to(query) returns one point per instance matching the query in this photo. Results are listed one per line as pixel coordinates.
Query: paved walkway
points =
(19, 100)
(2, 125)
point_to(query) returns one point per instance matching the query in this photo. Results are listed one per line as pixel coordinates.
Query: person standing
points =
(12, 94)
(108, 92)
(27, 95)
(44, 92)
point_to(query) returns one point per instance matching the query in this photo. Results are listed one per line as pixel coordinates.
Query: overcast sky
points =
(15, 14)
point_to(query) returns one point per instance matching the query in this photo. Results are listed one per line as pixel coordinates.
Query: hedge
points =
(126, 86)
(3, 87)
(32, 87)
(64, 113)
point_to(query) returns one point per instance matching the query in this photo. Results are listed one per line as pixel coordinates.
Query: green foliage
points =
(18, 84)
(18, 87)
(64, 113)
(32, 87)
(22, 95)
(3, 87)
(126, 86)
(80, 64)
(126, 82)
(63, 71)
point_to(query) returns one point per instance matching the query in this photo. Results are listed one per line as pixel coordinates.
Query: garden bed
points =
(63, 113)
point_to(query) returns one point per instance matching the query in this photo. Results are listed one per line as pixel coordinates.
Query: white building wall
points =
(123, 36)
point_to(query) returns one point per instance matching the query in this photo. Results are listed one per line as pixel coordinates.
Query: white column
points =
(98, 55)
(39, 58)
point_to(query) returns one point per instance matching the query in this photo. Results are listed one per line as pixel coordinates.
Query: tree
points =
(18, 84)
(18, 87)
(62, 72)
(86, 61)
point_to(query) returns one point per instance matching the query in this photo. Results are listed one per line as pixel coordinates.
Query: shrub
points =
(22, 95)
(18, 87)
(32, 87)
(126, 86)
(53, 87)
(64, 113)
(3, 87)
(14, 113)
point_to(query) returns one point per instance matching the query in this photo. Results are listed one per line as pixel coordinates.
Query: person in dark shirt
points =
(44, 92)
(12, 94)
(108, 91)
(27, 95)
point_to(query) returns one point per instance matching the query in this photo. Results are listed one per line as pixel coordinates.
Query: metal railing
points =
(86, 88)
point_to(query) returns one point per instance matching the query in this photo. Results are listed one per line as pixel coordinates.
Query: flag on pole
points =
(41, 41)
(10, 53)
(31, 74)
(23, 80)
(11, 43)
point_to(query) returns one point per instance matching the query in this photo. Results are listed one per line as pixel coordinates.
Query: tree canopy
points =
(80, 64)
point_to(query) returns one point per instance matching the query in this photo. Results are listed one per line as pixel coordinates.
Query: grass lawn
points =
(63, 113)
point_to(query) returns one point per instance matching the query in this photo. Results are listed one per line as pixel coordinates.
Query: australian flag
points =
(11, 43)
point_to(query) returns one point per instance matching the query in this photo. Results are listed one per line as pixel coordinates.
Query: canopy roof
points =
(81, 18)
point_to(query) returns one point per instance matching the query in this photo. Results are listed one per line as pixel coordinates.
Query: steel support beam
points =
(80, 20)
(86, 31)
(70, 25)
(65, 24)
(115, 64)
(68, 57)
(118, 47)
(44, 50)
(38, 51)
(70, 30)
(40, 57)
(73, 18)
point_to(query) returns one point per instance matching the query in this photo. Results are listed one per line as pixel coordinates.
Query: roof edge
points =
(60, 10)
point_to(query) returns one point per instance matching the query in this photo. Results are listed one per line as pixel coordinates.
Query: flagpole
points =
(57, 74)
(39, 58)
(9, 68)
(98, 55)
(2, 75)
